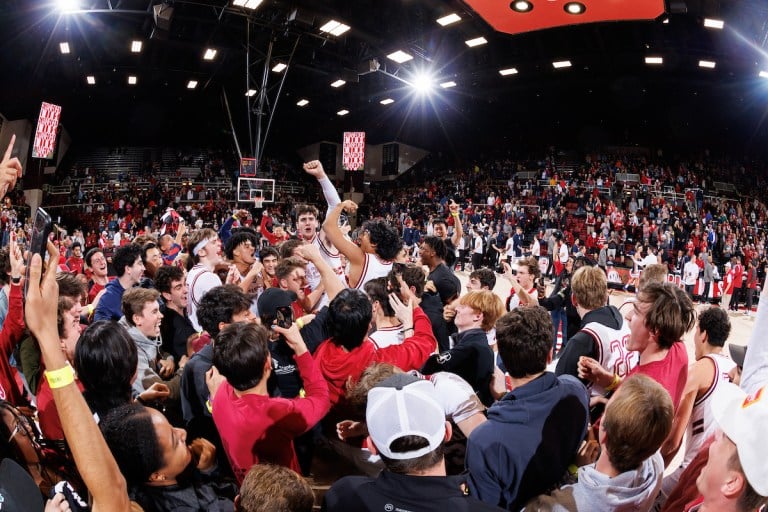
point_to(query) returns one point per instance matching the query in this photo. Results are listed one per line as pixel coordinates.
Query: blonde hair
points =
(487, 303)
(589, 287)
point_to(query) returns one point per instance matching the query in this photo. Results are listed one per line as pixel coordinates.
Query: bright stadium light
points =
(68, 5)
(422, 83)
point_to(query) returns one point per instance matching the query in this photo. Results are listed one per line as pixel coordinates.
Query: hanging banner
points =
(353, 158)
(47, 128)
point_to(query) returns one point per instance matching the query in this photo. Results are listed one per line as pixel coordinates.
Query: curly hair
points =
(131, 437)
(219, 304)
(388, 243)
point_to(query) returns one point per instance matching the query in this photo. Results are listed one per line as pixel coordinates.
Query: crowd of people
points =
(184, 365)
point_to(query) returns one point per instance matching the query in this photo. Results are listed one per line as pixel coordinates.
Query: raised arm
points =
(354, 254)
(458, 229)
(328, 278)
(315, 168)
(95, 462)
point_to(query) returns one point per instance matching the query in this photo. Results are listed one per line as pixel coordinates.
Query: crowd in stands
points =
(205, 361)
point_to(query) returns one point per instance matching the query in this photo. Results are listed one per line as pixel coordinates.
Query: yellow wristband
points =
(614, 383)
(300, 323)
(59, 378)
(209, 406)
(90, 309)
(455, 214)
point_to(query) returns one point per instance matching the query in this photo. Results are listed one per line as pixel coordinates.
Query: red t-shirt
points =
(50, 423)
(671, 372)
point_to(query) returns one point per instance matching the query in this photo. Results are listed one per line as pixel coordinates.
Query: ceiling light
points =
(342, 112)
(707, 64)
(248, 4)
(422, 83)
(335, 28)
(387, 101)
(448, 84)
(68, 5)
(447, 20)
(521, 6)
(712, 23)
(302, 102)
(558, 64)
(400, 56)
(654, 60)
(91, 80)
(131, 79)
(338, 83)
(666, 21)
(279, 67)
(136, 46)
(575, 8)
(250, 92)
(210, 54)
(508, 71)
(191, 84)
(64, 47)
(763, 74)
(476, 41)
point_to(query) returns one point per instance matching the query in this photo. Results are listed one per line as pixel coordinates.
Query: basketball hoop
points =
(258, 202)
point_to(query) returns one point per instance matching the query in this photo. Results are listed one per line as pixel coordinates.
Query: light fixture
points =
(559, 64)
(338, 83)
(342, 112)
(210, 54)
(575, 8)
(521, 6)
(476, 42)
(136, 46)
(654, 60)
(422, 83)
(131, 79)
(64, 48)
(712, 23)
(279, 67)
(399, 56)
(335, 28)
(387, 101)
(666, 21)
(763, 74)
(449, 19)
(250, 92)
(68, 5)
(448, 84)
(707, 64)
(508, 71)
(90, 79)
(302, 102)
(248, 4)
(191, 84)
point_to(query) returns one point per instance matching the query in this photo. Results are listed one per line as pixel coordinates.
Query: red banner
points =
(45, 135)
(353, 158)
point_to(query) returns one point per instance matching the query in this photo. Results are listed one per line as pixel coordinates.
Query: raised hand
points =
(10, 169)
(292, 338)
(315, 168)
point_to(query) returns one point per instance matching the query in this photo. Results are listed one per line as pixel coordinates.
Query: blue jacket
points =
(110, 305)
(529, 440)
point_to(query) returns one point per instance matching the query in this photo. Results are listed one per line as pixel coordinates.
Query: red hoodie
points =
(338, 365)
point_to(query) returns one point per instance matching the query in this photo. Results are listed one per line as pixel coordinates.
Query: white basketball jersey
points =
(702, 424)
(373, 268)
(612, 353)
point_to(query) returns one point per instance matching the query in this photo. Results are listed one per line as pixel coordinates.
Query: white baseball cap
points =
(400, 406)
(744, 419)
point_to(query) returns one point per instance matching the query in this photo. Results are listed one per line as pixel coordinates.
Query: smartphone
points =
(284, 316)
(41, 231)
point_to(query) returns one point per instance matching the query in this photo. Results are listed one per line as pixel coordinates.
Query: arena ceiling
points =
(608, 94)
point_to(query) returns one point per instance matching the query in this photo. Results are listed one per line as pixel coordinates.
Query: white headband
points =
(202, 243)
